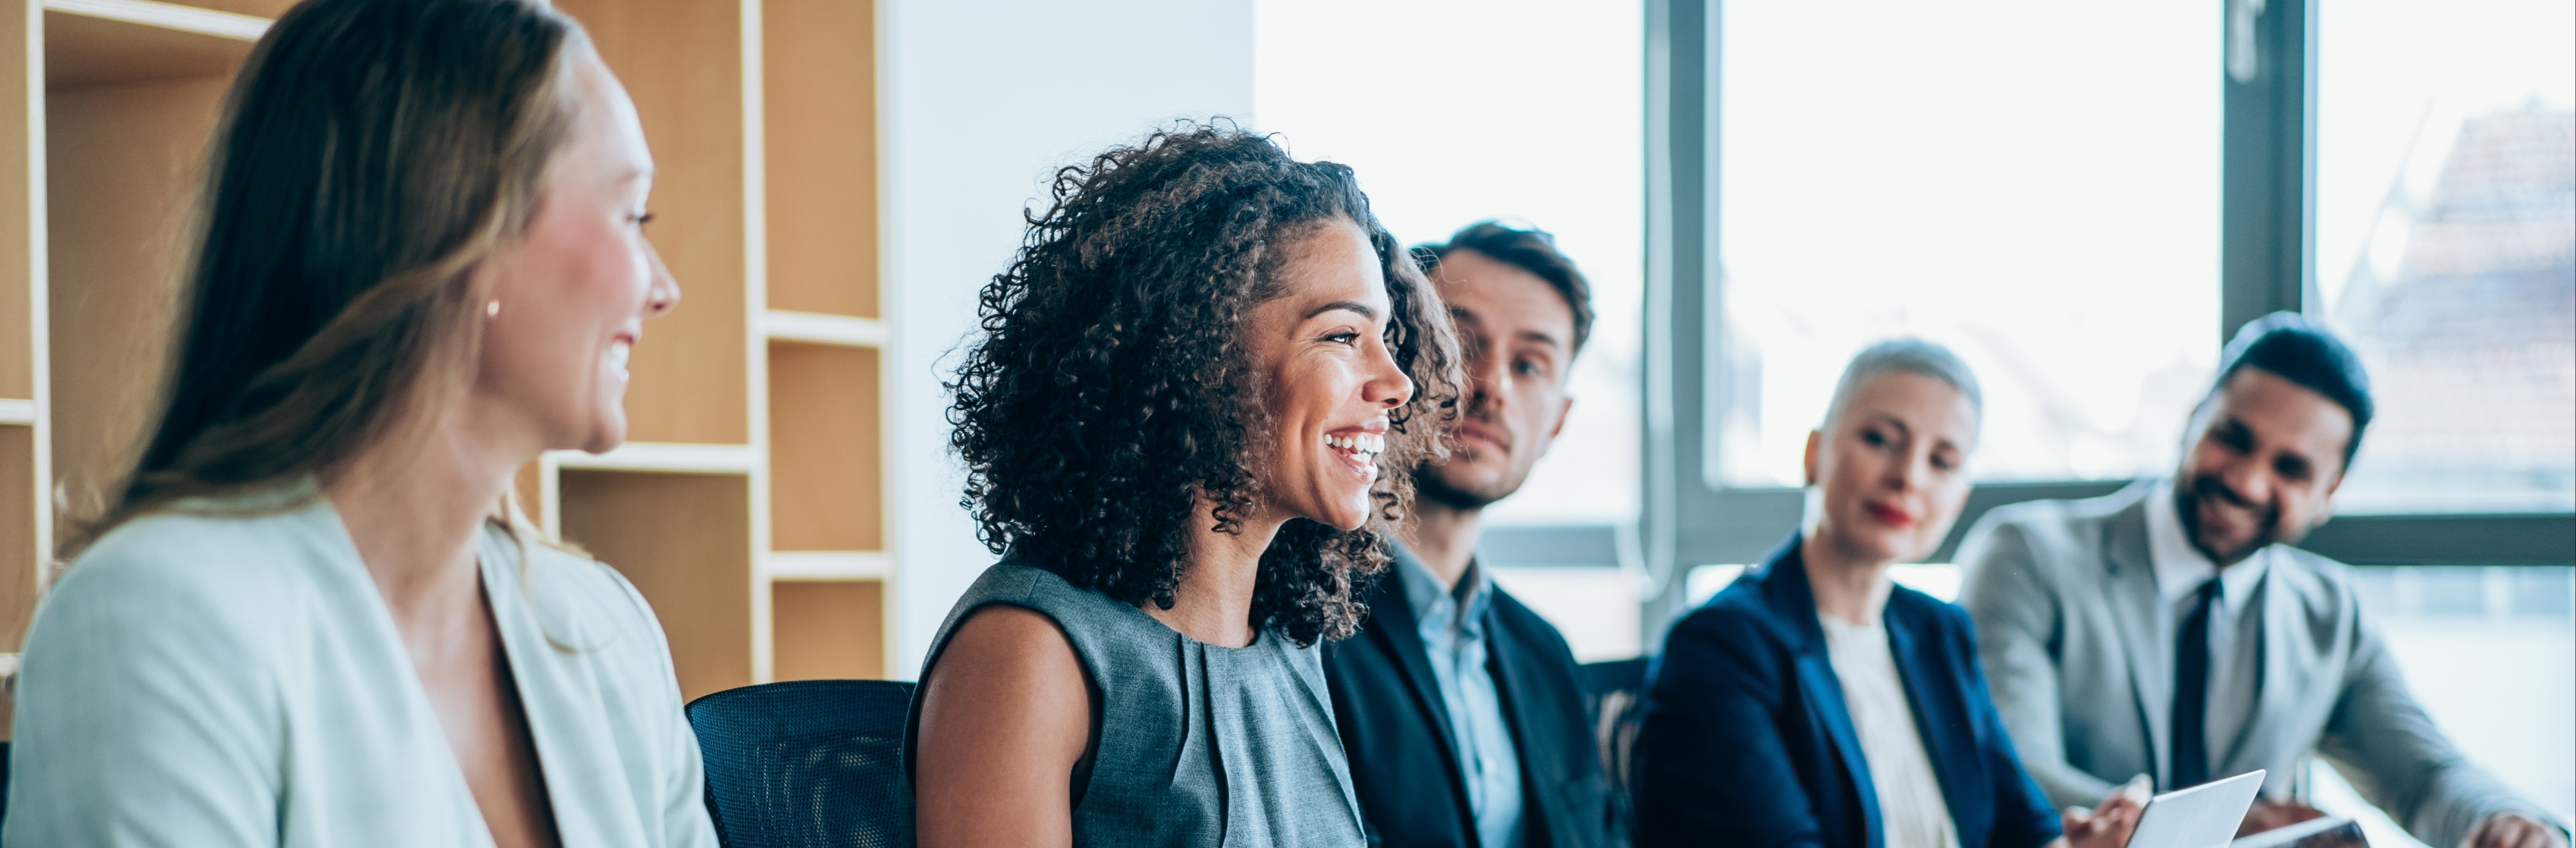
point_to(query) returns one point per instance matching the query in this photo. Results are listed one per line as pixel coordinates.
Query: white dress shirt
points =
(2235, 628)
(220, 678)
(1911, 809)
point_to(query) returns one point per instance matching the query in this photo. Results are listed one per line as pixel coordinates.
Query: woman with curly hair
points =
(1174, 428)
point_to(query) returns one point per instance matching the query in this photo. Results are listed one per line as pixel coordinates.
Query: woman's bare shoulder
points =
(1005, 716)
(1008, 646)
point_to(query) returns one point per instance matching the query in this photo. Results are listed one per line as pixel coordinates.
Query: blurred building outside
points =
(2462, 302)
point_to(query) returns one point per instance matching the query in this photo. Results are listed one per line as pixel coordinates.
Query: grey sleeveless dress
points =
(1198, 745)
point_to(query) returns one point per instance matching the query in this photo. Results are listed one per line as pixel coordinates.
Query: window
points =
(2033, 184)
(2490, 652)
(1454, 112)
(2078, 200)
(2446, 245)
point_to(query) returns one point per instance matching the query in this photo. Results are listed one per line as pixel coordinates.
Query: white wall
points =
(982, 101)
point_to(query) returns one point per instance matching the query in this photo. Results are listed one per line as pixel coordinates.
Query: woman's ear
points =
(1815, 452)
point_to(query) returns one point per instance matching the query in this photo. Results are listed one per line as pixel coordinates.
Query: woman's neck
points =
(413, 504)
(1213, 604)
(1847, 587)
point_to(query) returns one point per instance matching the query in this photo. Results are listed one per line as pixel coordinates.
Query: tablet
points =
(2204, 816)
(2314, 833)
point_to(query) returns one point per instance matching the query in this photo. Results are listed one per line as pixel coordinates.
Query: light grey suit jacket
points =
(2081, 664)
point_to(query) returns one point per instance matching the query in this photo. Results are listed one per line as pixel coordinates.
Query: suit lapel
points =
(1793, 603)
(1510, 678)
(1825, 704)
(1504, 658)
(561, 698)
(2132, 596)
(2279, 670)
(1402, 636)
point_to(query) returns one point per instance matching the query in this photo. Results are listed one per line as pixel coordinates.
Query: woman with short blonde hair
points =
(1814, 701)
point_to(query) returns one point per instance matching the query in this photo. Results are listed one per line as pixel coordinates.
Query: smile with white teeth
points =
(618, 351)
(1360, 449)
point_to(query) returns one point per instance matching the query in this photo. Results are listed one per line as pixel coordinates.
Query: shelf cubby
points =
(824, 416)
(96, 42)
(821, 145)
(684, 540)
(828, 629)
(18, 538)
(22, 282)
(130, 103)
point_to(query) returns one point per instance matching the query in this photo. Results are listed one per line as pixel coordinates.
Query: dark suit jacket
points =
(1403, 761)
(1747, 742)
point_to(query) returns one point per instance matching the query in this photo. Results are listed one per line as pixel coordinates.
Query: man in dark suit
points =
(1463, 711)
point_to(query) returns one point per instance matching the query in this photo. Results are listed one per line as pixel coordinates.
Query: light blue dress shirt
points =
(1452, 626)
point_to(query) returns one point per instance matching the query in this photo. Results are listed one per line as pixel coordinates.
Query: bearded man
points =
(2170, 629)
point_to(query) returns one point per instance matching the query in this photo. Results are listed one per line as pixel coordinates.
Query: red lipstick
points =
(1889, 515)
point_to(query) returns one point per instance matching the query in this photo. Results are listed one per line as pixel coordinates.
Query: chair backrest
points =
(1617, 690)
(807, 764)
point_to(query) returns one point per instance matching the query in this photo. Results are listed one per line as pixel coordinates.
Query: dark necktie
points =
(2191, 691)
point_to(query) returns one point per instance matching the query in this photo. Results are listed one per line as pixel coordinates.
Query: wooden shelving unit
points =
(748, 505)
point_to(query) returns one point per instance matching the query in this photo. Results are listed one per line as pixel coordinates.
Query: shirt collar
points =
(1422, 589)
(2181, 568)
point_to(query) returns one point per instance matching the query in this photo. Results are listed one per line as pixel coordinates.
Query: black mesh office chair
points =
(807, 764)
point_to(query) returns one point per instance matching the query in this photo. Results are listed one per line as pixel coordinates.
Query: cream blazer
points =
(208, 679)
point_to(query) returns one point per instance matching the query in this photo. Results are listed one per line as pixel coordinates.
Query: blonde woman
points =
(308, 618)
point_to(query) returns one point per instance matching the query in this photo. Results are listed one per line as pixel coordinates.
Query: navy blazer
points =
(1746, 740)
(1403, 762)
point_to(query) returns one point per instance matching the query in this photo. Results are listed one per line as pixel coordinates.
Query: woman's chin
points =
(606, 436)
(1347, 514)
(1874, 548)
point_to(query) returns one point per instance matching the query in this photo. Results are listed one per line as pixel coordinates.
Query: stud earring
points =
(492, 309)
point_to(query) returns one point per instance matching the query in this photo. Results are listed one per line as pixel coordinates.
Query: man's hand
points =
(2272, 814)
(2106, 826)
(2514, 830)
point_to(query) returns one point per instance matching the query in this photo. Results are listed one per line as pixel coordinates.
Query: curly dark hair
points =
(1113, 386)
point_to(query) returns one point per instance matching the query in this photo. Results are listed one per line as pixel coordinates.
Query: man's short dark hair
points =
(1532, 250)
(2302, 351)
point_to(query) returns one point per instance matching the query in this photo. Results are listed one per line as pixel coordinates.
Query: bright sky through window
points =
(1454, 112)
(2032, 183)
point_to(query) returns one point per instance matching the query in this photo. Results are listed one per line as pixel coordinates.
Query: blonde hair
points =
(1908, 355)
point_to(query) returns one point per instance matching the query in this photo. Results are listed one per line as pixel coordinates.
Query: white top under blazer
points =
(219, 680)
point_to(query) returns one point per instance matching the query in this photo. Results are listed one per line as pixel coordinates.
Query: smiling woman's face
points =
(1320, 345)
(569, 298)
